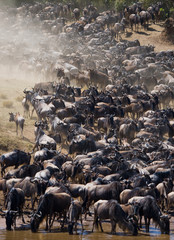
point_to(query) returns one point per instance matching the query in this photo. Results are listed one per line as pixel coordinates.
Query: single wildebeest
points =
(15, 203)
(82, 146)
(42, 140)
(75, 212)
(19, 121)
(50, 204)
(110, 209)
(98, 78)
(105, 192)
(14, 158)
(150, 210)
(117, 29)
(76, 13)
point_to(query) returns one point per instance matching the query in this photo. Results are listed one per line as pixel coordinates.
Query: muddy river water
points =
(87, 234)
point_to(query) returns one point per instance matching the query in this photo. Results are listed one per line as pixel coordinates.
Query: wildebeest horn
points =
(3, 211)
(39, 214)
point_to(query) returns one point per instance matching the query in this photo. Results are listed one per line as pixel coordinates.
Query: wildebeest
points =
(19, 121)
(134, 19)
(110, 209)
(15, 203)
(50, 204)
(117, 29)
(98, 78)
(30, 188)
(128, 130)
(82, 146)
(42, 140)
(76, 13)
(150, 210)
(14, 158)
(105, 192)
(75, 212)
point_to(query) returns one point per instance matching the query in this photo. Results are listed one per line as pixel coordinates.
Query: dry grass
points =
(9, 141)
(19, 99)
(7, 104)
(3, 96)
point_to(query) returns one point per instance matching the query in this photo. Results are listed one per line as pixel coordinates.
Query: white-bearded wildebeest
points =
(105, 192)
(134, 19)
(42, 140)
(150, 210)
(15, 203)
(19, 121)
(75, 212)
(50, 204)
(14, 158)
(110, 209)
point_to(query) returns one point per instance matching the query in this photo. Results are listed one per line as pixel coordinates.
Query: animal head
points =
(70, 228)
(12, 117)
(35, 221)
(165, 224)
(10, 218)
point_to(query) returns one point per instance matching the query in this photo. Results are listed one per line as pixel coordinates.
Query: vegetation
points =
(7, 104)
(19, 99)
(101, 4)
(3, 96)
(10, 143)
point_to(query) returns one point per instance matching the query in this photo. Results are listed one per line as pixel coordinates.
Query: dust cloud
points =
(29, 52)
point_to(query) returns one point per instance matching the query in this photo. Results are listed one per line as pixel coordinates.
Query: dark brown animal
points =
(50, 204)
(110, 209)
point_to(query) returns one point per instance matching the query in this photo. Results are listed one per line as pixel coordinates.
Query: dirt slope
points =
(152, 37)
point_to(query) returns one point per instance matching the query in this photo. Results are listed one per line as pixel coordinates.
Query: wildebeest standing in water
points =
(110, 209)
(50, 204)
(15, 203)
(19, 121)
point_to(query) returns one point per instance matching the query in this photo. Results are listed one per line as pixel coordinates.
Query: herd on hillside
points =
(118, 130)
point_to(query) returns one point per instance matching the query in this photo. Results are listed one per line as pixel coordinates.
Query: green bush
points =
(172, 12)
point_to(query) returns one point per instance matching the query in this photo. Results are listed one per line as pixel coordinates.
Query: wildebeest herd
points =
(118, 130)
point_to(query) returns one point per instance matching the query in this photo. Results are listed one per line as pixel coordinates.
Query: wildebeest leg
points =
(3, 170)
(35, 200)
(51, 221)
(46, 227)
(16, 128)
(22, 215)
(113, 227)
(95, 221)
(81, 222)
(14, 222)
(64, 217)
(21, 132)
(32, 113)
(75, 226)
(140, 221)
(100, 225)
(147, 223)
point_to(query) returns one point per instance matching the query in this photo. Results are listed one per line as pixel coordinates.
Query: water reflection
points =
(87, 235)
